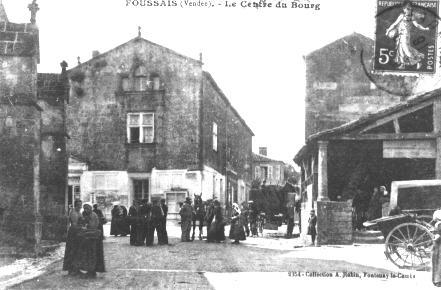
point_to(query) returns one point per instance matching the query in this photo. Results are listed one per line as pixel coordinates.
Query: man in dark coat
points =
(290, 218)
(186, 214)
(133, 216)
(101, 218)
(156, 220)
(163, 227)
(253, 214)
(142, 223)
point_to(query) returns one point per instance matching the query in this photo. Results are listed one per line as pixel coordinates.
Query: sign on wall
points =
(409, 149)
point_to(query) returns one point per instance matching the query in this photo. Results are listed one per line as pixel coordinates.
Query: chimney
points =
(95, 53)
(263, 151)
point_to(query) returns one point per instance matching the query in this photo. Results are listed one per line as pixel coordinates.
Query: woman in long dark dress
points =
(72, 241)
(216, 230)
(237, 231)
(115, 225)
(436, 250)
(90, 255)
(125, 224)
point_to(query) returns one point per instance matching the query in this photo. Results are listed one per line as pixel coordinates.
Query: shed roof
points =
(366, 120)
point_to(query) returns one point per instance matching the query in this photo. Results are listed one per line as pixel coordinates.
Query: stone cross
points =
(33, 7)
(63, 65)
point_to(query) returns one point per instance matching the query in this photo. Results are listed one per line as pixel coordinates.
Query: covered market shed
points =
(402, 142)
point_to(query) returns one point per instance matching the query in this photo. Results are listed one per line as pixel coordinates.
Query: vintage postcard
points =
(220, 144)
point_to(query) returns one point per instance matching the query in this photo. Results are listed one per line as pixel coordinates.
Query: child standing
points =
(312, 222)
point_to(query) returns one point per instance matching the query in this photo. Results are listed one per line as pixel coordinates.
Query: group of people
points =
(371, 207)
(120, 224)
(84, 254)
(216, 222)
(144, 218)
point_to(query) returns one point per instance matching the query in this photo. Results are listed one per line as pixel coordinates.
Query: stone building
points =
(151, 123)
(33, 160)
(342, 90)
(268, 171)
(340, 86)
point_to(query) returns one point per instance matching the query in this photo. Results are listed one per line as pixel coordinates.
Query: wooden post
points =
(322, 171)
(437, 130)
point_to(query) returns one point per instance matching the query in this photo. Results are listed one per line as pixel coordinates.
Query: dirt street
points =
(254, 263)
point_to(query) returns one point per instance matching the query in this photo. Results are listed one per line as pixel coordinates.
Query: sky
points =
(255, 55)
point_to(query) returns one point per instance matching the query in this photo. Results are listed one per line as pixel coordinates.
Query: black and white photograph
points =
(220, 144)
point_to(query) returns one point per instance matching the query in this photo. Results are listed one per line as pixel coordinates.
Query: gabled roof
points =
(208, 76)
(346, 39)
(261, 158)
(135, 40)
(3, 15)
(367, 120)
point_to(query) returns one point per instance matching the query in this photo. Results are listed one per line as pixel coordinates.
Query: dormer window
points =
(155, 81)
(140, 76)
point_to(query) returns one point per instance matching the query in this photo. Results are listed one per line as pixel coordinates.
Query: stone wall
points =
(334, 222)
(19, 127)
(97, 113)
(338, 89)
(234, 138)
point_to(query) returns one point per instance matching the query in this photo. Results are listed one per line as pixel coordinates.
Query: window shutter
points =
(256, 172)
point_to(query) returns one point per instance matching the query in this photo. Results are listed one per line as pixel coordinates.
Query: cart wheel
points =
(409, 246)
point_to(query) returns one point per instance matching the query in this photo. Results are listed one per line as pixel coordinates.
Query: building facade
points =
(33, 170)
(151, 123)
(340, 86)
(268, 171)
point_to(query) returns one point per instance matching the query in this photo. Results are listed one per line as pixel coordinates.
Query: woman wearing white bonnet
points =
(436, 250)
(237, 231)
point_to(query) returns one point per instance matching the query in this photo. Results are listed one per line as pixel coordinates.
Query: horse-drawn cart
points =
(407, 230)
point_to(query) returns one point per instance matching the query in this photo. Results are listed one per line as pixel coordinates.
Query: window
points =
(270, 172)
(140, 127)
(214, 136)
(257, 172)
(155, 81)
(141, 83)
(125, 84)
(264, 172)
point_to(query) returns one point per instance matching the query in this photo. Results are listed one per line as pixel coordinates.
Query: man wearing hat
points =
(186, 214)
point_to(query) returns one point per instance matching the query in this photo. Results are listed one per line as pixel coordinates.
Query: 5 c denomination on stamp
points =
(406, 36)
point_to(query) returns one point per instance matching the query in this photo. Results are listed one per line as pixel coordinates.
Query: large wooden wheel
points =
(409, 245)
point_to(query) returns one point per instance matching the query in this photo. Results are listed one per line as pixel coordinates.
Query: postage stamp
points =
(406, 36)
